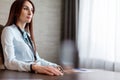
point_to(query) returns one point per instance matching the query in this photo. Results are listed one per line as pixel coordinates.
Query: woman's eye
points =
(25, 8)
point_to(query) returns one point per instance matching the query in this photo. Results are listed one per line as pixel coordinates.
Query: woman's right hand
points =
(49, 70)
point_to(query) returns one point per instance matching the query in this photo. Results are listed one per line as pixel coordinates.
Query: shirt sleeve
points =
(11, 62)
(44, 62)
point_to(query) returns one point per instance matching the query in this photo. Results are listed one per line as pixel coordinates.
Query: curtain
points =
(68, 32)
(99, 34)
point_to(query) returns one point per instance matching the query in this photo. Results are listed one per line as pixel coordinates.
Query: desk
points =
(94, 75)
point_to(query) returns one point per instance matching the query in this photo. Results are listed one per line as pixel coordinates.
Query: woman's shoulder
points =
(9, 28)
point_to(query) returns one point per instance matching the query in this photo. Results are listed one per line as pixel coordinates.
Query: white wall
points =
(47, 22)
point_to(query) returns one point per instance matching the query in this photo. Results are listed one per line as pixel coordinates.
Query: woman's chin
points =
(28, 21)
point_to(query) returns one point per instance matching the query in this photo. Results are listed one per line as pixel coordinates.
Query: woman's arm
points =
(46, 67)
(11, 62)
(49, 70)
(44, 62)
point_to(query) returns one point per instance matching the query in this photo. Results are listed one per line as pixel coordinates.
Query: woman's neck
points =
(21, 25)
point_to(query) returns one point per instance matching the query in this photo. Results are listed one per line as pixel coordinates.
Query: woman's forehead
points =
(28, 4)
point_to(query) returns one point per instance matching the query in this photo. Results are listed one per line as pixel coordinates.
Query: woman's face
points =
(26, 13)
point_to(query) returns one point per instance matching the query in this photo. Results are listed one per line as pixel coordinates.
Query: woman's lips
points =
(28, 17)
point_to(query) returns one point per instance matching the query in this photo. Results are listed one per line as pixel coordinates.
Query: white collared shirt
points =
(17, 54)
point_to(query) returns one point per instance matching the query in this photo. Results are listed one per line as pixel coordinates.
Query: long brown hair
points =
(14, 14)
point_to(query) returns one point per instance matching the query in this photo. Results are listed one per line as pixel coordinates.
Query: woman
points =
(18, 42)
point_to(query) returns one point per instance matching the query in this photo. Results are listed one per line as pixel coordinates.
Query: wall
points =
(47, 22)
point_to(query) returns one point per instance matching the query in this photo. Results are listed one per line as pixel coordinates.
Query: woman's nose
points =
(30, 12)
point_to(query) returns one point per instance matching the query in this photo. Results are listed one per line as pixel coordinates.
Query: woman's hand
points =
(49, 70)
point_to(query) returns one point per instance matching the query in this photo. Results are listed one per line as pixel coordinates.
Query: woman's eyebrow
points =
(27, 6)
